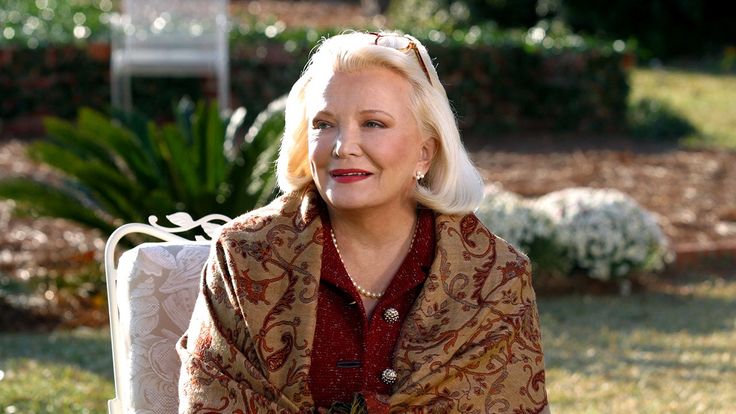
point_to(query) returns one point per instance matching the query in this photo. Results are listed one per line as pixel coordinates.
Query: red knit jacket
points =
(351, 351)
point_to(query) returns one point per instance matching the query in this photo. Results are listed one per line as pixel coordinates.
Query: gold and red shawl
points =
(471, 343)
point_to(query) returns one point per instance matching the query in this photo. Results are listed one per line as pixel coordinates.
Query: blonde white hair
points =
(452, 185)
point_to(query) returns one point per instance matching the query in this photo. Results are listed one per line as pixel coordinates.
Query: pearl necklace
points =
(365, 292)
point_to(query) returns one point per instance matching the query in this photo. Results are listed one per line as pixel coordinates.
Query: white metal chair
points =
(169, 38)
(151, 295)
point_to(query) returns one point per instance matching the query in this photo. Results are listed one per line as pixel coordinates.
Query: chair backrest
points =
(174, 24)
(151, 295)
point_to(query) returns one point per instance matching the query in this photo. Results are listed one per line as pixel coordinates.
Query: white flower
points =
(605, 231)
(513, 219)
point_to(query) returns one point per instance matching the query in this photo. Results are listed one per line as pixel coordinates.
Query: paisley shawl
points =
(471, 343)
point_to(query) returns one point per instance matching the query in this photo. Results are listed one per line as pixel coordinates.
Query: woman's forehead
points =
(372, 88)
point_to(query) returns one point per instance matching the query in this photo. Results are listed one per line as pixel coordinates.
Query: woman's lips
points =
(346, 176)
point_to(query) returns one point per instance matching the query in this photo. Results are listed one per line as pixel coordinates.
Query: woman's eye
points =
(374, 124)
(320, 125)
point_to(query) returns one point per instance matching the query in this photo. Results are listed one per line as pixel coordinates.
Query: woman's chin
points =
(349, 203)
(365, 198)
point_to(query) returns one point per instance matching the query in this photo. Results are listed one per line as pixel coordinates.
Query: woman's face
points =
(366, 117)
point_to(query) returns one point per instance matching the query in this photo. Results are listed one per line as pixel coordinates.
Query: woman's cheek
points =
(321, 144)
(313, 145)
(318, 152)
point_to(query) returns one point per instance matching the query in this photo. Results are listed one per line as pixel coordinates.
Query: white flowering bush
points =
(509, 217)
(605, 232)
(531, 230)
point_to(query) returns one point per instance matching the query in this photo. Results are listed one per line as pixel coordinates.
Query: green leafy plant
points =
(125, 168)
(651, 118)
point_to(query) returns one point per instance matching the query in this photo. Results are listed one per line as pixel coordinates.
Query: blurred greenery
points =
(661, 28)
(668, 350)
(123, 169)
(579, 78)
(34, 23)
(13, 286)
(495, 80)
(700, 96)
(448, 15)
(650, 118)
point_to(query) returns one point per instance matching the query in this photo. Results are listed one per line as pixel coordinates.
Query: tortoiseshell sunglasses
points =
(410, 45)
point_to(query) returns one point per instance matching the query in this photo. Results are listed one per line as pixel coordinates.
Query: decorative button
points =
(388, 376)
(391, 315)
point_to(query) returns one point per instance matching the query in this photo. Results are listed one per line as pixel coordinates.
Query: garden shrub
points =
(651, 118)
(508, 216)
(527, 83)
(452, 14)
(126, 168)
(52, 80)
(605, 232)
(541, 78)
(602, 232)
(532, 231)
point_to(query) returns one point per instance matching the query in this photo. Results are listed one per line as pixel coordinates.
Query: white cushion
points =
(157, 287)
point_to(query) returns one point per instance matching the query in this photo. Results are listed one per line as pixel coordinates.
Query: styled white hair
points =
(452, 185)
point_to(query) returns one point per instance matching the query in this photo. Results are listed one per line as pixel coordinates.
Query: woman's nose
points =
(348, 142)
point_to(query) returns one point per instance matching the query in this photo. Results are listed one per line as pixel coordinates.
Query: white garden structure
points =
(169, 38)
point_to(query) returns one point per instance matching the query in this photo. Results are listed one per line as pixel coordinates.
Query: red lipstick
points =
(349, 175)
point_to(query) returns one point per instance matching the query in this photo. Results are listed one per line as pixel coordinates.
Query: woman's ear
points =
(427, 152)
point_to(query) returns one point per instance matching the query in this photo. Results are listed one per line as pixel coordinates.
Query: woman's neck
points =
(372, 246)
(373, 229)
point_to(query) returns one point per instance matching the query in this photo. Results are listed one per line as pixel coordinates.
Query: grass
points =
(672, 350)
(66, 372)
(705, 98)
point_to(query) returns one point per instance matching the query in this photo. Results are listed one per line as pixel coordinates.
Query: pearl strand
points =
(365, 292)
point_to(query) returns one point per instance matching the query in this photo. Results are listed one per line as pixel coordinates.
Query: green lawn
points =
(68, 372)
(659, 352)
(667, 351)
(705, 98)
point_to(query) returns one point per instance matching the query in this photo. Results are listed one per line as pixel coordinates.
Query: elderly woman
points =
(370, 279)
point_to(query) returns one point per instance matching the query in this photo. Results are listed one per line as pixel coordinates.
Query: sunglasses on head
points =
(394, 40)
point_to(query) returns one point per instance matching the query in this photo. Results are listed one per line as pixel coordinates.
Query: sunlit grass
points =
(665, 352)
(706, 99)
(68, 372)
(668, 351)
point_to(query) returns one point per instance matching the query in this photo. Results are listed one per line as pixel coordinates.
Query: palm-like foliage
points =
(125, 168)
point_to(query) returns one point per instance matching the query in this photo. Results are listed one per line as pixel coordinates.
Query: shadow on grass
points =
(657, 311)
(87, 350)
(688, 330)
(703, 66)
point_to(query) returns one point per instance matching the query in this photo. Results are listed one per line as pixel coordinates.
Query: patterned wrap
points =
(471, 343)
